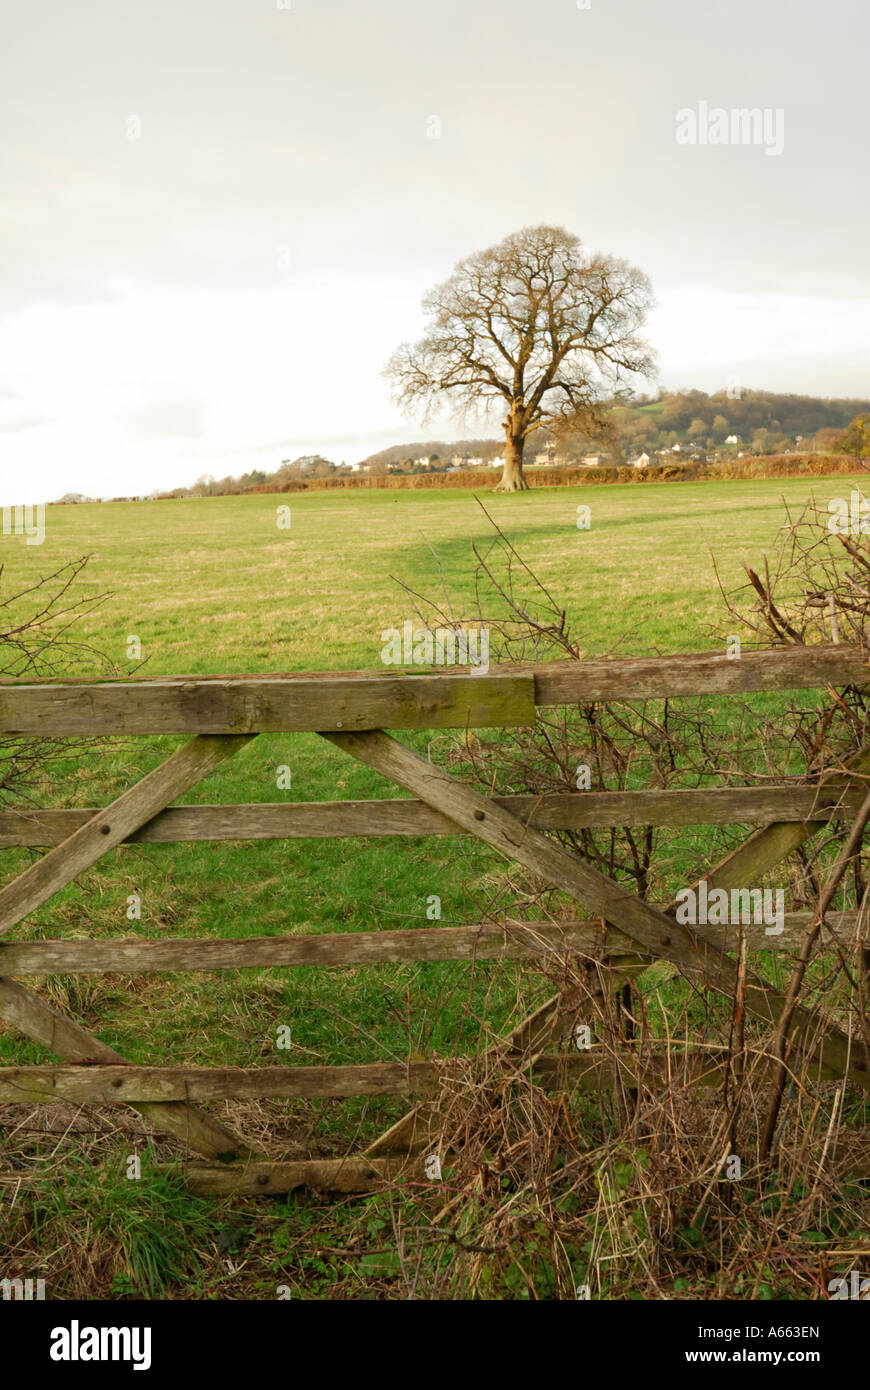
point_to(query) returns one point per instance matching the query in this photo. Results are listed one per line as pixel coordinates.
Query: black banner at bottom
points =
(86, 1339)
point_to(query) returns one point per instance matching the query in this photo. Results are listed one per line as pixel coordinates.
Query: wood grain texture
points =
(652, 930)
(68, 1039)
(774, 842)
(267, 705)
(705, 673)
(109, 1084)
(590, 1069)
(526, 941)
(512, 826)
(759, 854)
(556, 682)
(25, 826)
(320, 1174)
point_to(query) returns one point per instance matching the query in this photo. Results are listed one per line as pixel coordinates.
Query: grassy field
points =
(213, 585)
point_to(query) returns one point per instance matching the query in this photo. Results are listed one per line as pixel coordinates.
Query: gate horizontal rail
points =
(486, 941)
(111, 1085)
(36, 828)
(498, 697)
(350, 709)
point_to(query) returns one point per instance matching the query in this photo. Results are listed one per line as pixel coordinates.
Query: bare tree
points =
(38, 641)
(533, 325)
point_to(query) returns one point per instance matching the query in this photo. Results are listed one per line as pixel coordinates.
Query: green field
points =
(213, 585)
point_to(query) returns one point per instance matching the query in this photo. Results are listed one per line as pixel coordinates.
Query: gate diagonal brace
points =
(654, 931)
(105, 831)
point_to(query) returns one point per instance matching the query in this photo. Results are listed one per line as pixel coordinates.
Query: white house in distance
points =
(591, 460)
(642, 460)
(422, 462)
(733, 439)
(547, 455)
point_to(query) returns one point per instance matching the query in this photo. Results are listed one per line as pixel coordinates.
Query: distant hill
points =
(436, 450)
(766, 422)
(763, 423)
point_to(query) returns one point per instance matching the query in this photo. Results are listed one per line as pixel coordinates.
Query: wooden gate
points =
(222, 714)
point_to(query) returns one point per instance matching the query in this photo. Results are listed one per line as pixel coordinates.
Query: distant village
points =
(667, 434)
(550, 458)
(313, 465)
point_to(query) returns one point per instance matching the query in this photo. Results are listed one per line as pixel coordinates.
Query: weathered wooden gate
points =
(222, 714)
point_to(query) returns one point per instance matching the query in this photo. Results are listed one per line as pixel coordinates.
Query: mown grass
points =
(212, 586)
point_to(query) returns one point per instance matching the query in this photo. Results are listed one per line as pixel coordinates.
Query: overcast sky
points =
(221, 292)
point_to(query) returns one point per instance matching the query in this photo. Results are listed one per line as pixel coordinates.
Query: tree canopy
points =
(535, 327)
(856, 438)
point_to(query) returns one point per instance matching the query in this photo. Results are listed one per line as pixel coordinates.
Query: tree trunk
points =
(512, 479)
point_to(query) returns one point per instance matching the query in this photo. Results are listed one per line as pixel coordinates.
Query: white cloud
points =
(155, 387)
(784, 342)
